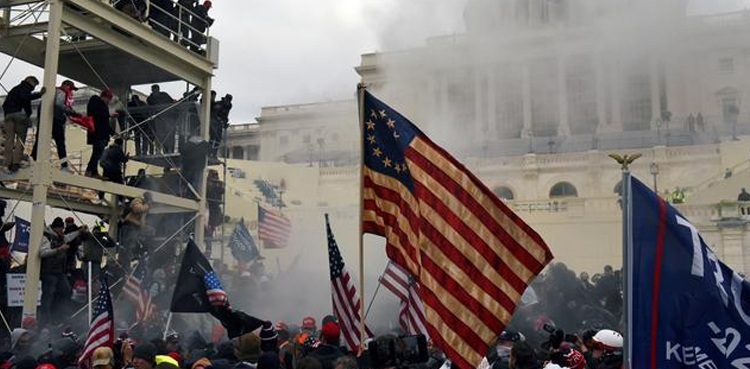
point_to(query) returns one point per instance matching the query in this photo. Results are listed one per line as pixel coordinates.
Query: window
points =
(504, 193)
(726, 65)
(283, 140)
(563, 189)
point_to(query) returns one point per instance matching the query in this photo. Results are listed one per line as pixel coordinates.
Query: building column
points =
(655, 101)
(492, 121)
(615, 89)
(563, 126)
(480, 124)
(601, 96)
(528, 130)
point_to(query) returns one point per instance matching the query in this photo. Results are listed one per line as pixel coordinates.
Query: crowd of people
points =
(184, 21)
(544, 333)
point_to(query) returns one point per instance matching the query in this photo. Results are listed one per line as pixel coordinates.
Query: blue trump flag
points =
(689, 309)
(21, 239)
(241, 243)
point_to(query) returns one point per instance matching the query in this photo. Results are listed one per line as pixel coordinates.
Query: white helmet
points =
(608, 340)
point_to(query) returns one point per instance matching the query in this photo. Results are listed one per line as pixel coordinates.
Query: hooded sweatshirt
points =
(14, 337)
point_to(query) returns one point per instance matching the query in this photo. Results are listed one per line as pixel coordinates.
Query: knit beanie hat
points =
(146, 352)
(248, 348)
(268, 338)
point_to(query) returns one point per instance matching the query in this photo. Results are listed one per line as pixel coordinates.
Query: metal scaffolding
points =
(117, 52)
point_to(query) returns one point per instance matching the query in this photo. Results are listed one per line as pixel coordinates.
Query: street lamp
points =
(654, 170)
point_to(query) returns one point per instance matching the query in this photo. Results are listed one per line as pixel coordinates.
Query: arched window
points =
(238, 152)
(504, 193)
(563, 189)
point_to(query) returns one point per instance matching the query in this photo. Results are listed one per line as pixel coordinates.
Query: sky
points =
(279, 52)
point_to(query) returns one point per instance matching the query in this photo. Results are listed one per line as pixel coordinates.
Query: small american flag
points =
(137, 291)
(346, 303)
(101, 331)
(216, 294)
(411, 312)
(273, 227)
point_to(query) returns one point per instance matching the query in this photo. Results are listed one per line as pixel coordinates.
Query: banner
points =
(21, 240)
(690, 310)
(16, 289)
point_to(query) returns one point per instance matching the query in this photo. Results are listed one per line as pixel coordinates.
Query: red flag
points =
(102, 328)
(84, 121)
(471, 255)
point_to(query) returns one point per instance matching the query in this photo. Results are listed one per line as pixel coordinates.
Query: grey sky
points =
(277, 52)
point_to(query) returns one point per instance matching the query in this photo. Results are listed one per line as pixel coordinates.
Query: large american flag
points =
(471, 255)
(102, 330)
(136, 289)
(411, 312)
(346, 303)
(273, 227)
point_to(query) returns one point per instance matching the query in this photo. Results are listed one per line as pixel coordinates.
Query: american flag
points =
(216, 294)
(273, 227)
(411, 312)
(346, 303)
(137, 291)
(471, 255)
(102, 330)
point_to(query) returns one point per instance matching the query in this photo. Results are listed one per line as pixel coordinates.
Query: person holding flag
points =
(199, 290)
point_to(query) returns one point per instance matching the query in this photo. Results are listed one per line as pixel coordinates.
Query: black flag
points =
(190, 292)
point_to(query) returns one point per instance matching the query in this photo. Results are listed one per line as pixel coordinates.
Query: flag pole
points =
(89, 291)
(169, 322)
(377, 288)
(627, 254)
(360, 99)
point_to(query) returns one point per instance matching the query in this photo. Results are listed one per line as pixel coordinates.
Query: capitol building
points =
(532, 98)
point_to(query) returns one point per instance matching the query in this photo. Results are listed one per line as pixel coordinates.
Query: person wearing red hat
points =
(329, 350)
(61, 111)
(98, 109)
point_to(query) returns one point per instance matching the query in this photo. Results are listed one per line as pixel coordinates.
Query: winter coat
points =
(19, 99)
(113, 159)
(138, 211)
(53, 257)
(327, 354)
(99, 111)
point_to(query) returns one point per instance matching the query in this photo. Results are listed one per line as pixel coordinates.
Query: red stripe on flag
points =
(658, 261)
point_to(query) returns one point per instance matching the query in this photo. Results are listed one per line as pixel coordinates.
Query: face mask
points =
(503, 351)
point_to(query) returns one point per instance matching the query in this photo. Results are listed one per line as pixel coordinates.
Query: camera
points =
(398, 351)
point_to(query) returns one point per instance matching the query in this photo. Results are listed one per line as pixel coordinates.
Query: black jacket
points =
(99, 110)
(327, 354)
(113, 158)
(19, 99)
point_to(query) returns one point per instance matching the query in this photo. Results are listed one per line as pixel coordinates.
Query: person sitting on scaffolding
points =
(62, 110)
(17, 110)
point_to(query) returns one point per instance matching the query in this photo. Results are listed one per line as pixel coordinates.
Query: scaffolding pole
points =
(40, 177)
(200, 221)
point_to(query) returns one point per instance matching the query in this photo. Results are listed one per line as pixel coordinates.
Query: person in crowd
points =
(248, 349)
(329, 350)
(200, 22)
(690, 123)
(345, 362)
(193, 160)
(132, 225)
(133, 8)
(522, 356)
(144, 357)
(269, 360)
(308, 325)
(677, 196)
(160, 16)
(269, 339)
(309, 362)
(56, 289)
(17, 112)
(112, 161)
(727, 173)
(142, 135)
(98, 109)
(163, 126)
(71, 257)
(20, 342)
(185, 9)
(700, 122)
(103, 358)
(219, 122)
(94, 244)
(499, 358)
(62, 110)
(607, 353)
(214, 194)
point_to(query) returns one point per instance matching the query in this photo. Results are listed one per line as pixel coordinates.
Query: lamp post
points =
(654, 170)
